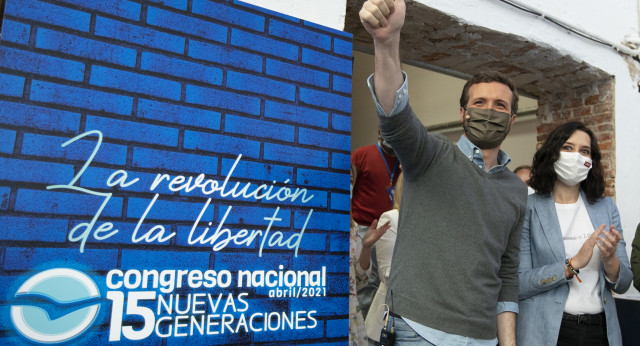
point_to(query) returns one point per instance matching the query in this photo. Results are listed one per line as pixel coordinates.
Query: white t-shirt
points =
(584, 297)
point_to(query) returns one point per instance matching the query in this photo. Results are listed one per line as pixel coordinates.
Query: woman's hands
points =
(607, 242)
(608, 245)
(582, 258)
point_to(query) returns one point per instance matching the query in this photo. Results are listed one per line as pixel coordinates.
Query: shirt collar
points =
(475, 154)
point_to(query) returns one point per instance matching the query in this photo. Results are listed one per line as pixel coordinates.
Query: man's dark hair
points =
(543, 174)
(488, 77)
(519, 168)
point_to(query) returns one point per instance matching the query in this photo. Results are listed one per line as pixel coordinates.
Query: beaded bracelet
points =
(571, 275)
(572, 269)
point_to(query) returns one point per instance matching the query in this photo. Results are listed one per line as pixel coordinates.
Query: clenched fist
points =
(383, 19)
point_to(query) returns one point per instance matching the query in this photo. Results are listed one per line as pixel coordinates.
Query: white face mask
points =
(572, 168)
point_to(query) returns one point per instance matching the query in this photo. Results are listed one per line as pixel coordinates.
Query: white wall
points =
(329, 13)
(611, 19)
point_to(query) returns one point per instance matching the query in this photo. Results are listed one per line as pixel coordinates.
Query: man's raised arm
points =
(383, 19)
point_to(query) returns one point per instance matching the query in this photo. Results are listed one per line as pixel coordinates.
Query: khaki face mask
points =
(486, 128)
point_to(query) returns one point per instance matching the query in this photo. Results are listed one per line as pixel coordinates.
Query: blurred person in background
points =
(384, 252)
(524, 173)
(376, 170)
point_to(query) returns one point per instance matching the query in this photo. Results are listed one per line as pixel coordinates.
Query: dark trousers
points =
(578, 333)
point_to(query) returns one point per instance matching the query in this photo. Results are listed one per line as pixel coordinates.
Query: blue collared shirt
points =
(401, 100)
(475, 155)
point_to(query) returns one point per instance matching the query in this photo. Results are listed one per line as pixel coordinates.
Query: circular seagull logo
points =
(55, 306)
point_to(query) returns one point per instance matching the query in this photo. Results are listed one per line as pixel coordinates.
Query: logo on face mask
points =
(486, 128)
(55, 306)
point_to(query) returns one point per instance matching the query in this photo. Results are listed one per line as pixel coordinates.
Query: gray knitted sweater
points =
(456, 254)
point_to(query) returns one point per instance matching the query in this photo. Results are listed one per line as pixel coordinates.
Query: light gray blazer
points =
(543, 287)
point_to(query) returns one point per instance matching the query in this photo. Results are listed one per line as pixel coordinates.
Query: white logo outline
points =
(22, 325)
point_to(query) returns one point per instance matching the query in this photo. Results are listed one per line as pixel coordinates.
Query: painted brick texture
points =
(176, 87)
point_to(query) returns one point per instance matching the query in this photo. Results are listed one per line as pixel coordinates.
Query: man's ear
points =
(513, 118)
(461, 114)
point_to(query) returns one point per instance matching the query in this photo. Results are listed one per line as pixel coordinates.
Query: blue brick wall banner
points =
(172, 172)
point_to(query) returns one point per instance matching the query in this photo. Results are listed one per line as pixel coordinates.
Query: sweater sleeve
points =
(408, 137)
(510, 262)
